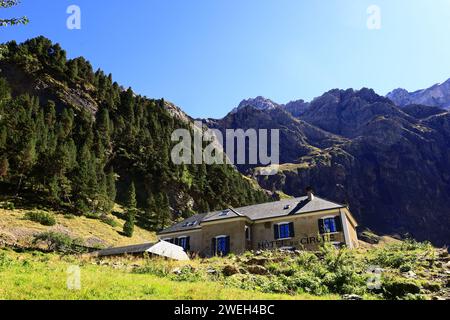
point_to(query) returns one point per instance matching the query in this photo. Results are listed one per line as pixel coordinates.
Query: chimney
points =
(310, 193)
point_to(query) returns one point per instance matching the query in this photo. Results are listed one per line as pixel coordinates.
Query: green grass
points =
(44, 276)
(106, 231)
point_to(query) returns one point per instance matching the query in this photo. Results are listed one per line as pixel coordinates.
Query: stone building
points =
(300, 223)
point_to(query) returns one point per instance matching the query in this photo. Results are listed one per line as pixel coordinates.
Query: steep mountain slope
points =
(297, 138)
(79, 139)
(391, 165)
(437, 96)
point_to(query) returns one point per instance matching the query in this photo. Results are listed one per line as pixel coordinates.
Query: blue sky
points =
(206, 56)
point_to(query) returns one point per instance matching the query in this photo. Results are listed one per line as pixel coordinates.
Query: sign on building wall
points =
(299, 242)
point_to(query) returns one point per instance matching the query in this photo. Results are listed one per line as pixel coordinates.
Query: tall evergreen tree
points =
(128, 227)
(163, 210)
(111, 184)
(130, 214)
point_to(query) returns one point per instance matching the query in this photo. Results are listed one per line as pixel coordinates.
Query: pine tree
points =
(163, 210)
(150, 212)
(128, 227)
(4, 167)
(131, 200)
(72, 67)
(130, 214)
(111, 184)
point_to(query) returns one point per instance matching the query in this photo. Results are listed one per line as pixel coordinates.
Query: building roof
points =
(137, 248)
(268, 210)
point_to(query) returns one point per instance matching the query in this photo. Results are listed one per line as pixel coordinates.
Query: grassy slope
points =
(43, 276)
(15, 229)
(34, 275)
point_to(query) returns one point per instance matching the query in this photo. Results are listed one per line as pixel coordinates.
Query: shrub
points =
(156, 266)
(187, 274)
(128, 227)
(5, 260)
(69, 216)
(109, 220)
(92, 215)
(42, 217)
(397, 287)
(405, 267)
(7, 205)
(305, 282)
(57, 241)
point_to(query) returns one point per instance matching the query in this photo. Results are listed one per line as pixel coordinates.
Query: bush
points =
(187, 274)
(7, 205)
(5, 260)
(57, 241)
(397, 287)
(44, 218)
(109, 220)
(69, 216)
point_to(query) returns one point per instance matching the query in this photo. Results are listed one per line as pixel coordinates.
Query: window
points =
(183, 242)
(330, 224)
(224, 213)
(284, 230)
(221, 245)
(168, 240)
(247, 233)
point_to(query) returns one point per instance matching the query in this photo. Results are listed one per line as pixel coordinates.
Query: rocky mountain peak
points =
(437, 95)
(259, 103)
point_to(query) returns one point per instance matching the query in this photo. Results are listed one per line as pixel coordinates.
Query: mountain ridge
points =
(437, 95)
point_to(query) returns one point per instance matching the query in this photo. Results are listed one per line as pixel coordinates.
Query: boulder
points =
(176, 271)
(229, 270)
(257, 269)
(211, 271)
(260, 261)
(410, 274)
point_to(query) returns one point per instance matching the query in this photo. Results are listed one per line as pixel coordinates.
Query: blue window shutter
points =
(338, 222)
(332, 224)
(321, 226)
(213, 247)
(188, 245)
(291, 230)
(227, 245)
(276, 232)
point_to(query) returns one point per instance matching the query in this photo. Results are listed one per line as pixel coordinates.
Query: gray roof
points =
(281, 208)
(133, 249)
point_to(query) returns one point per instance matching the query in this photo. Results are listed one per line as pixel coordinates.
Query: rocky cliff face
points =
(392, 165)
(437, 96)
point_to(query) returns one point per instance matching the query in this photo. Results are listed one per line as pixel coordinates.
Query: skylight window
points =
(224, 213)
